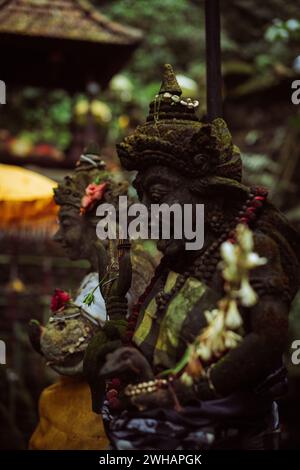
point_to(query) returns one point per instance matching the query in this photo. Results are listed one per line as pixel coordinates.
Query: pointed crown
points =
(168, 103)
(174, 136)
(89, 169)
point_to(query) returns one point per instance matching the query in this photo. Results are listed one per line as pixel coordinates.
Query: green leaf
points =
(89, 299)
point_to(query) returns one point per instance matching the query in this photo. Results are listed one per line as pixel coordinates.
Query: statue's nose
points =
(57, 236)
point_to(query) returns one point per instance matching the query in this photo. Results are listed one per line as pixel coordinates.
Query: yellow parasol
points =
(26, 201)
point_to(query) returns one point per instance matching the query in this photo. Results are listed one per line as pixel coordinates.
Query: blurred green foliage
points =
(259, 43)
(39, 116)
(173, 33)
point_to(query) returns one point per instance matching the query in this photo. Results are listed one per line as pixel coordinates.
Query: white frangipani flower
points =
(186, 379)
(217, 324)
(233, 318)
(230, 273)
(218, 344)
(220, 336)
(244, 237)
(210, 315)
(204, 352)
(247, 294)
(232, 339)
(254, 260)
(228, 253)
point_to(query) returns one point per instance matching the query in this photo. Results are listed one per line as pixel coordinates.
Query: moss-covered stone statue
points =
(180, 159)
(66, 417)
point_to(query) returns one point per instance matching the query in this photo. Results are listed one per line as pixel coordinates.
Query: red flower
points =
(111, 394)
(59, 300)
(116, 383)
(93, 193)
(114, 404)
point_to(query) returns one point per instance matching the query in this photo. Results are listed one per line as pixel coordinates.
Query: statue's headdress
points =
(90, 172)
(174, 136)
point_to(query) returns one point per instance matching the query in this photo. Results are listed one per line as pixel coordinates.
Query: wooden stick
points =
(213, 59)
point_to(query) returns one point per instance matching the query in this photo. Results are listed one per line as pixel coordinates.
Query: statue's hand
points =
(116, 307)
(115, 295)
(129, 364)
(104, 342)
(174, 395)
(147, 401)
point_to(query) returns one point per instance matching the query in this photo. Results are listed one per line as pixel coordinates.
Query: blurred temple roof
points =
(70, 19)
(61, 37)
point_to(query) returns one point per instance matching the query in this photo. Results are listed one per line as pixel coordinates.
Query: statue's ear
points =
(226, 186)
(202, 138)
(82, 181)
(205, 151)
(223, 137)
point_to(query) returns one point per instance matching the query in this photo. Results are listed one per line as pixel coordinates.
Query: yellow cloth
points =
(26, 198)
(20, 184)
(66, 419)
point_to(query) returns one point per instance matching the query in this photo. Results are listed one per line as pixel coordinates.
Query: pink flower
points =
(93, 193)
(59, 299)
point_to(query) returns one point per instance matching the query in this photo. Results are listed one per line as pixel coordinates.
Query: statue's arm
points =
(259, 353)
(266, 327)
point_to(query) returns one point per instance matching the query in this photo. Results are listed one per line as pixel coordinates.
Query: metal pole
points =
(213, 59)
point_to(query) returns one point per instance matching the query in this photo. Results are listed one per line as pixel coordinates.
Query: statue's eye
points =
(155, 196)
(126, 356)
(138, 187)
(156, 193)
(60, 325)
(66, 224)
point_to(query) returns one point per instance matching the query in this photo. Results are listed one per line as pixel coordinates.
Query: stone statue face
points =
(161, 185)
(72, 233)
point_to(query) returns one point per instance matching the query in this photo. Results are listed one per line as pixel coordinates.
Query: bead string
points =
(204, 268)
(146, 387)
(188, 102)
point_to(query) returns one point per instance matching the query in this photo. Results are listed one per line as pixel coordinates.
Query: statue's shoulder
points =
(273, 228)
(265, 245)
(277, 240)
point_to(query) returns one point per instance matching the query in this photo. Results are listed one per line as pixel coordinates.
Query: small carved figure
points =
(74, 321)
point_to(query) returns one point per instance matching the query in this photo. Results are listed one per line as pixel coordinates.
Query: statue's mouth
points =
(70, 365)
(170, 247)
(109, 371)
(162, 245)
(117, 369)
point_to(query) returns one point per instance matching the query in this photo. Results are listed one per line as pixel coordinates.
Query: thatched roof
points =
(65, 19)
(61, 44)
